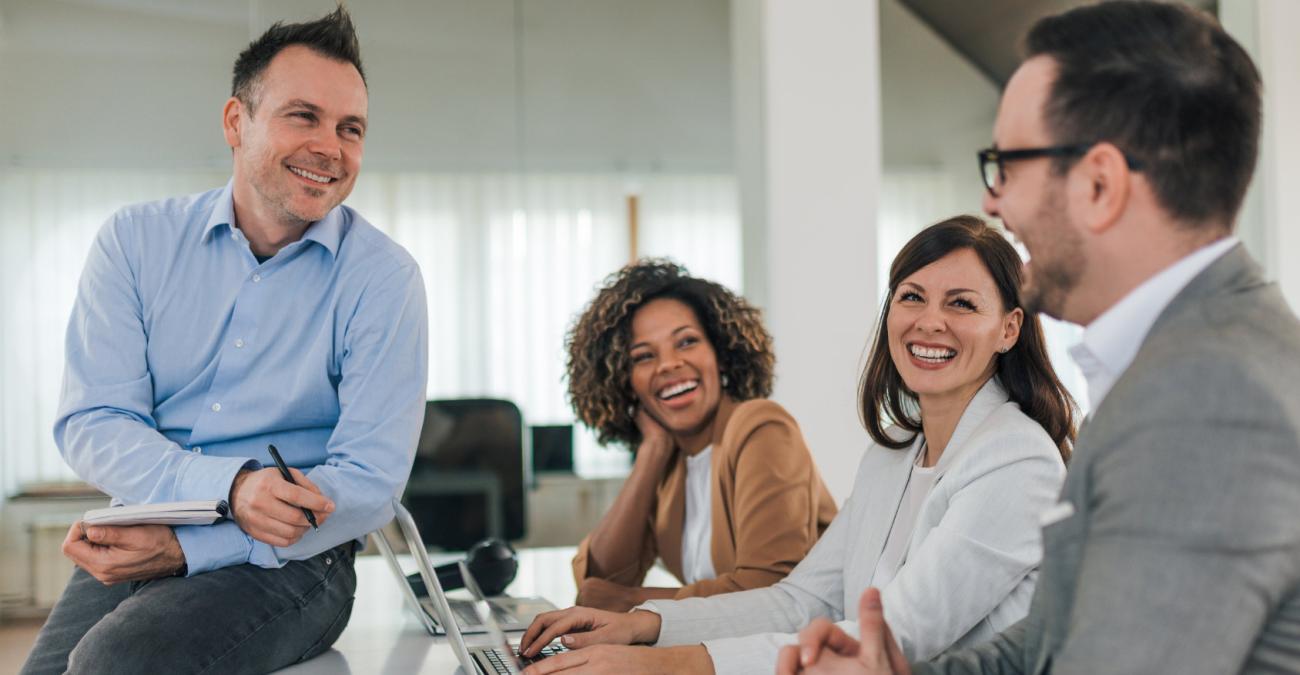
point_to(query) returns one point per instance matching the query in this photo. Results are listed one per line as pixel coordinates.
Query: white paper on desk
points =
(170, 513)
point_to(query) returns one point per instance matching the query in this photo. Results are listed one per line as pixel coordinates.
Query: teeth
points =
(932, 353)
(679, 388)
(310, 176)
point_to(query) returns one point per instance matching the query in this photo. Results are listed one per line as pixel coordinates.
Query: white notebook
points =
(169, 513)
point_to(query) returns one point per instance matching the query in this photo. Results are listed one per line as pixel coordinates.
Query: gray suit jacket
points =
(1182, 551)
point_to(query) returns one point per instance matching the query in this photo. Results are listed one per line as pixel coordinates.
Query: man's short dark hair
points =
(331, 36)
(1166, 85)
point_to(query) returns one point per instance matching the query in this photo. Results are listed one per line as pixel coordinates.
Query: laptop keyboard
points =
(502, 665)
(466, 616)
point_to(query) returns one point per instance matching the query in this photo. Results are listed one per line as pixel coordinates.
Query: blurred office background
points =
(522, 150)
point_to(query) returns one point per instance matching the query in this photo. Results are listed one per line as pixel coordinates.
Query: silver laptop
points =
(510, 613)
(501, 657)
(470, 660)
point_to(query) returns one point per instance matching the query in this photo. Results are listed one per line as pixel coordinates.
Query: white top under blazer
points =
(697, 526)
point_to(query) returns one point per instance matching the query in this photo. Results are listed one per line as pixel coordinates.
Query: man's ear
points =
(232, 120)
(1100, 187)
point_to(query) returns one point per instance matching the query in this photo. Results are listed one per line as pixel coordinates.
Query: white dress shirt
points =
(697, 530)
(1111, 341)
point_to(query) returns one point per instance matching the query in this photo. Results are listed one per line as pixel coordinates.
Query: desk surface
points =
(383, 636)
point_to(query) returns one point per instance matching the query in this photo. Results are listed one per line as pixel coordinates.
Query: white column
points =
(1269, 220)
(1279, 169)
(807, 101)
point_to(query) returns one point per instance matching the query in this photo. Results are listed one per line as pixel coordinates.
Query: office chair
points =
(471, 472)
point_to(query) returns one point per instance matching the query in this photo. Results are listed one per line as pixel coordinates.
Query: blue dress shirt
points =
(185, 358)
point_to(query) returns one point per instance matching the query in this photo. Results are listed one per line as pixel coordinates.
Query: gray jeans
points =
(242, 619)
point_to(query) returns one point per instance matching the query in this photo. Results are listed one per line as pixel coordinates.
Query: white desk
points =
(383, 636)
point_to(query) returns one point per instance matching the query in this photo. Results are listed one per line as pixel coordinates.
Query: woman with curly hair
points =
(723, 487)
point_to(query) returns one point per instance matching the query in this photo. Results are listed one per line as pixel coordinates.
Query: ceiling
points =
(987, 33)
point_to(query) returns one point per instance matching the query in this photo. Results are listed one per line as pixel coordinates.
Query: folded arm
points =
(381, 408)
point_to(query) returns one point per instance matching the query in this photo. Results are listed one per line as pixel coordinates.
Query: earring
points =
(631, 411)
(724, 379)
(1004, 350)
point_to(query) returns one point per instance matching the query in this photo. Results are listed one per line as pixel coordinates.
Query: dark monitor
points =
(468, 480)
(552, 448)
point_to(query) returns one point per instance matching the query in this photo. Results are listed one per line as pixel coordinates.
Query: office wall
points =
(936, 108)
(1267, 222)
(456, 85)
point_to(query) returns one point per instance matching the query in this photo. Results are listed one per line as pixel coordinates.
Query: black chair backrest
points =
(469, 480)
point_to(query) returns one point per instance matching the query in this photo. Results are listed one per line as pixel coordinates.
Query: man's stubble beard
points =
(1059, 263)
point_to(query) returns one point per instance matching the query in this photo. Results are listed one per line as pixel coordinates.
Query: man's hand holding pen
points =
(269, 508)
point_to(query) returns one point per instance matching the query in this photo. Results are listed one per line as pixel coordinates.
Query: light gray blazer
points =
(1179, 550)
(969, 571)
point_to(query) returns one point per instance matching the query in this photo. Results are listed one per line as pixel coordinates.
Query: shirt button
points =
(239, 344)
(197, 449)
(216, 407)
(257, 278)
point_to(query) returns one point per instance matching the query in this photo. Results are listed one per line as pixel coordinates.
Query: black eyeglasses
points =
(991, 160)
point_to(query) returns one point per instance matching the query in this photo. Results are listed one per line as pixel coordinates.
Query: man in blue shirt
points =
(207, 327)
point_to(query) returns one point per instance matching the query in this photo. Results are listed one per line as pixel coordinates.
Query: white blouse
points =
(920, 481)
(697, 530)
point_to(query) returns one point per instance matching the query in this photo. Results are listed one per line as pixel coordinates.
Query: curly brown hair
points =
(599, 366)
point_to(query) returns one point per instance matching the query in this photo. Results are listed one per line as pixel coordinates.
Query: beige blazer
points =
(769, 506)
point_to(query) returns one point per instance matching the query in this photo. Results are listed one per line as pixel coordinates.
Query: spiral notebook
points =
(169, 513)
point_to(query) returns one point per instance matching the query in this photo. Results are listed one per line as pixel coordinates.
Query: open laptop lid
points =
(381, 541)
(439, 599)
(488, 619)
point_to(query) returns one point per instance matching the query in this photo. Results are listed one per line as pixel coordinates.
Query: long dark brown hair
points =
(1024, 370)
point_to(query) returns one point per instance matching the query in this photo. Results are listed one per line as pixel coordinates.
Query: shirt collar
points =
(223, 213)
(327, 231)
(1111, 341)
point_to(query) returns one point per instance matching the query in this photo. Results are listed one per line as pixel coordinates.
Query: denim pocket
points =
(320, 571)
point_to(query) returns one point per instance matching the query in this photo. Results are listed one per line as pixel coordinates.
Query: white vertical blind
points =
(508, 260)
(696, 221)
(47, 222)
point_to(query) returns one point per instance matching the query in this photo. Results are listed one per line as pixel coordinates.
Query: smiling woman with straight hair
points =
(723, 489)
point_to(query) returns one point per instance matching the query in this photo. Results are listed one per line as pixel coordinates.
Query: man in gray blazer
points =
(1124, 145)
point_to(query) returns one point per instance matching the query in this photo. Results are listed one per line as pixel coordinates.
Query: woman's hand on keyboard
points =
(579, 627)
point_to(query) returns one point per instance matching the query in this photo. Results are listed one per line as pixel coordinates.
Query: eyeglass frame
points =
(1000, 157)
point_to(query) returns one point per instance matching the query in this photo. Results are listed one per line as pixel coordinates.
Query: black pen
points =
(284, 471)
